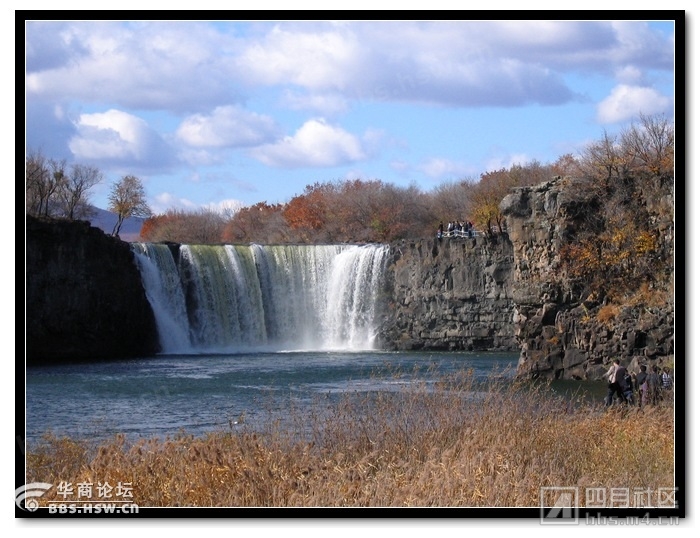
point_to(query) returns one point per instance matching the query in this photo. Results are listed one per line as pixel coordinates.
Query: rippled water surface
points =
(204, 393)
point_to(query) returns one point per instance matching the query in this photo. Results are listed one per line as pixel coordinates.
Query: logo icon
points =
(29, 493)
(559, 506)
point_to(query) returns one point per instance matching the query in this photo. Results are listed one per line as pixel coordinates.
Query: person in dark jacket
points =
(654, 384)
(642, 387)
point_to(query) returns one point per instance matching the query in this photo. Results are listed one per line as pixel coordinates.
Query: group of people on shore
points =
(642, 388)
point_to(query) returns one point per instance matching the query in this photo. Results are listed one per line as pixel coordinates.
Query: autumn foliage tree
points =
(629, 239)
(201, 227)
(308, 214)
(485, 196)
(357, 211)
(450, 201)
(128, 199)
(260, 223)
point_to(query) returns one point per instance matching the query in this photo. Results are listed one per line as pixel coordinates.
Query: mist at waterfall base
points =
(251, 335)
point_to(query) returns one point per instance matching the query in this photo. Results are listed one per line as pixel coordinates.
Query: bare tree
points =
(651, 144)
(44, 180)
(73, 194)
(128, 199)
(36, 173)
(450, 200)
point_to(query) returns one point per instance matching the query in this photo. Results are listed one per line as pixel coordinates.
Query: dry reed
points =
(454, 443)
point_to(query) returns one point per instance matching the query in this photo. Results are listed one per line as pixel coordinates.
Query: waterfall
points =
(230, 298)
(164, 291)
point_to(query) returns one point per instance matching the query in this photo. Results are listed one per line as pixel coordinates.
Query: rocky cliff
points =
(561, 333)
(450, 294)
(84, 297)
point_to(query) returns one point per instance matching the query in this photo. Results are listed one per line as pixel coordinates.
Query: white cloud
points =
(400, 166)
(315, 144)
(630, 74)
(627, 102)
(200, 157)
(324, 103)
(400, 61)
(164, 201)
(225, 207)
(438, 168)
(227, 126)
(193, 66)
(116, 136)
(506, 161)
(311, 59)
(160, 65)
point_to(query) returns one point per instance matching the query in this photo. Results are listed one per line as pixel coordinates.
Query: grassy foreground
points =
(444, 445)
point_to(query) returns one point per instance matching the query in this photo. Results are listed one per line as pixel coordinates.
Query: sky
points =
(227, 114)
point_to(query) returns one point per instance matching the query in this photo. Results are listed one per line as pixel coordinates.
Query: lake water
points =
(203, 393)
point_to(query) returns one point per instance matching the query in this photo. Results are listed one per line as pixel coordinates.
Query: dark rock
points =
(458, 298)
(84, 297)
(549, 311)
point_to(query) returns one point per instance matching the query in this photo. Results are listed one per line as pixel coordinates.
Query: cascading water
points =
(164, 291)
(230, 298)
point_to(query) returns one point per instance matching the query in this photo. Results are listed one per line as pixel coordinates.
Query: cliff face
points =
(84, 296)
(85, 299)
(560, 334)
(449, 294)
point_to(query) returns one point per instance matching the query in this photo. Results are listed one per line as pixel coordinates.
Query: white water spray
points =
(279, 297)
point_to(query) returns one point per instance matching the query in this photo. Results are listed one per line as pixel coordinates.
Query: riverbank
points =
(432, 445)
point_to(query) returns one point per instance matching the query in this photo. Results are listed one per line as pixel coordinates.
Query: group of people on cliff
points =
(641, 388)
(456, 228)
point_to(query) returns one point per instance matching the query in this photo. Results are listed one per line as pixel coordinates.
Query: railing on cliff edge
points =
(467, 234)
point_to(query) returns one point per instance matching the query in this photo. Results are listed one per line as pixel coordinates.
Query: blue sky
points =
(234, 113)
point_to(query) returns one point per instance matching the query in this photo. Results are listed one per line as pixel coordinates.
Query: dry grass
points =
(647, 296)
(608, 313)
(454, 444)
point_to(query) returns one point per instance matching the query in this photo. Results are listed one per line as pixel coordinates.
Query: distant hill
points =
(105, 221)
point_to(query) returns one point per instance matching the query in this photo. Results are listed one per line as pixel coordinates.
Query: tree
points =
(128, 199)
(54, 190)
(261, 223)
(308, 214)
(625, 242)
(202, 227)
(566, 165)
(451, 201)
(45, 179)
(486, 197)
(650, 144)
(73, 194)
